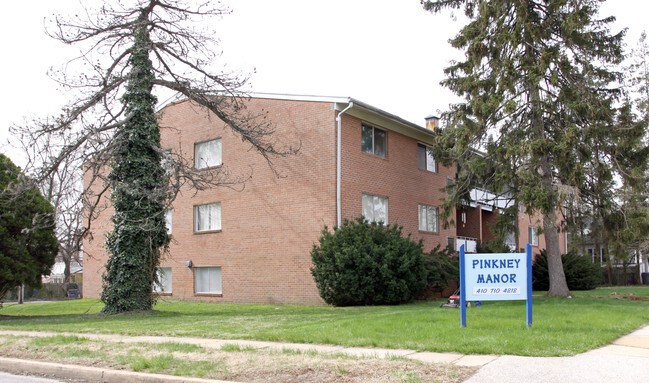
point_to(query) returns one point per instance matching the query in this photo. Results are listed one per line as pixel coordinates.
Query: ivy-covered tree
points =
(28, 244)
(131, 51)
(537, 86)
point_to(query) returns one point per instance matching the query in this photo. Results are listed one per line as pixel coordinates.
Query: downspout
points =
(338, 164)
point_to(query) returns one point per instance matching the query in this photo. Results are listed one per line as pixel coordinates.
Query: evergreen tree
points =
(535, 80)
(28, 244)
(638, 74)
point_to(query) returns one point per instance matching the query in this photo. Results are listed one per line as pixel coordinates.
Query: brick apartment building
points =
(253, 245)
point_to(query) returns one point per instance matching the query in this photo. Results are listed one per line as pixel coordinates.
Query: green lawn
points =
(561, 326)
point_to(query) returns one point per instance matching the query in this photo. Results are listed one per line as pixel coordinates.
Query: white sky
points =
(388, 53)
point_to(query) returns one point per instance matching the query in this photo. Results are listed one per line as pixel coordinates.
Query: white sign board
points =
(496, 277)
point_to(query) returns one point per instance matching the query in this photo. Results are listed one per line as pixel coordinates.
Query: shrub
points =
(367, 264)
(581, 273)
(442, 267)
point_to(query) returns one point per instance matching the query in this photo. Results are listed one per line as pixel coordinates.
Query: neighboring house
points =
(253, 245)
(57, 274)
(634, 265)
(587, 241)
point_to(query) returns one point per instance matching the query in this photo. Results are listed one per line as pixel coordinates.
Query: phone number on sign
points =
(496, 290)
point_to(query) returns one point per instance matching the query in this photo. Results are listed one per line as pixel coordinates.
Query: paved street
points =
(9, 378)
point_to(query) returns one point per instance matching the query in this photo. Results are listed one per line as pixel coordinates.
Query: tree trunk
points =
(67, 260)
(582, 234)
(596, 236)
(638, 261)
(609, 270)
(558, 284)
(609, 263)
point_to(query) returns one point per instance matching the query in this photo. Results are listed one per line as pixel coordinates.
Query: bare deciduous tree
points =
(131, 50)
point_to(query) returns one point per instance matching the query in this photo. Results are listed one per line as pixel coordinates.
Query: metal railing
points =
(470, 244)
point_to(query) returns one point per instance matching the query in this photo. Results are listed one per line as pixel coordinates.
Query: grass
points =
(237, 348)
(167, 363)
(407, 376)
(179, 347)
(561, 326)
(237, 364)
(58, 340)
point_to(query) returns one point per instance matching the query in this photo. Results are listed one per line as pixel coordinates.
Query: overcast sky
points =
(388, 53)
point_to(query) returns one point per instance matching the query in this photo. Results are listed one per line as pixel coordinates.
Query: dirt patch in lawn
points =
(239, 365)
(624, 297)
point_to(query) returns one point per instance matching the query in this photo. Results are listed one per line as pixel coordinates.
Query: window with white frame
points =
(533, 235)
(428, 218)
(425, 159)
(207, 154)
(164, 280)
(207, 280)
(374, 141)
(207, 217)
(375, 208)
(168, 220)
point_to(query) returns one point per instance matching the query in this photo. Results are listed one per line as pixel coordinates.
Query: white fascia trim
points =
(299, 97)
(275, 96)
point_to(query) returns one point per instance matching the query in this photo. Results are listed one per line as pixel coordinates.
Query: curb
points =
(92, 374)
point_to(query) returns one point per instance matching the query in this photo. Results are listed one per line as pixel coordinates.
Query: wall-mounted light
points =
(189, 264)
(463, 217)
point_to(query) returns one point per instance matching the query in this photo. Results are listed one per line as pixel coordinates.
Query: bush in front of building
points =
(362, 263)
(581, 272)
(442, 268)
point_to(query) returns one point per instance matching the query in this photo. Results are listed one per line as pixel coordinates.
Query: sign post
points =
(528, 304)
(496, 277)
(462, 288)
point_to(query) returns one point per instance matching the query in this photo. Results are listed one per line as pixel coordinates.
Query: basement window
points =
(207, 280)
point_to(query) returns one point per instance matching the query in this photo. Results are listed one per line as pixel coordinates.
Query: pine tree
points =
(28, 244)
(535, 80)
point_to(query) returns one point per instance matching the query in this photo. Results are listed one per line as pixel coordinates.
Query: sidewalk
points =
(625, 360)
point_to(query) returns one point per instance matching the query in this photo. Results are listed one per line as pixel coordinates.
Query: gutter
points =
(338, 163)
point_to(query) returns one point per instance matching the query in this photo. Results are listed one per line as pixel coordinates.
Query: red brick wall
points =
(268, 228)
(471, 228)
(489, 219)
(94, 256)
(396, 177)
